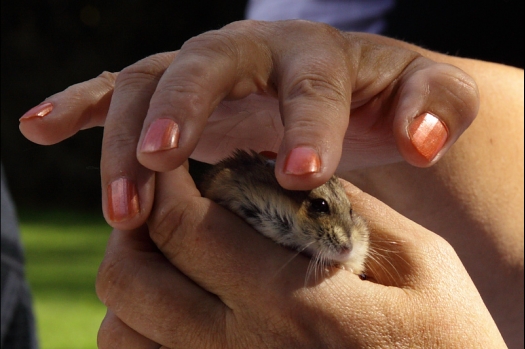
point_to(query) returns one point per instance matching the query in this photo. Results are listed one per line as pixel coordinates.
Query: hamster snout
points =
(319, 222)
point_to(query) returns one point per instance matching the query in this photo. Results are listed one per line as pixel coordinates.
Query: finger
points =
(113, 333)
(208, 68)
(127, 186)
(434, 104)
(149, 295)
(315, 97)
(62, 115)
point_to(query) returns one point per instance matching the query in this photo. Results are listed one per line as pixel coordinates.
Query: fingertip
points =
(123, 200)
(423, 140)
(436, 105)
(312, 143)
(428, 134)
(166, 144)
(33, 125)
(158, 148)
(127, 205)
(302, 160)
(162, 161)
(162, 134)
(31, 129)
(60, 116)
(302, 168)
(39, 111)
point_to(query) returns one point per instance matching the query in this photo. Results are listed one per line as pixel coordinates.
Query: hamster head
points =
(319, 222)
(329, 230)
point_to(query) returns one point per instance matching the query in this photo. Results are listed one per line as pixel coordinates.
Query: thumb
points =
(436, 105)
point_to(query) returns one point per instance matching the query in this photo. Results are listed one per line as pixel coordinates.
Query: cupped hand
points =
(202, 278)
(290, 87)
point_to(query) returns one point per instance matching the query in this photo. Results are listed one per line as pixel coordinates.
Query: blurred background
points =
(48, 45)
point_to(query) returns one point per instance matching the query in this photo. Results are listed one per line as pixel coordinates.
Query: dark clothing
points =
(17, 320)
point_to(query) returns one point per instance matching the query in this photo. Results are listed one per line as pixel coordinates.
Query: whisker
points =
(313, 267)
(292, 258)
(387, 266)
(286, 263)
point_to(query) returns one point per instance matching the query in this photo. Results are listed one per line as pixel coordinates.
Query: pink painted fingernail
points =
(39, 111)
(163, 134)
(302, 160)
(428, 135)
(123, 200)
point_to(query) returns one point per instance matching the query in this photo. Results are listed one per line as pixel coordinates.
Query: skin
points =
(454, 198)
(255, 297)
(477, 194)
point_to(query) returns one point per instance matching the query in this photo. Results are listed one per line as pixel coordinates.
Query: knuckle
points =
(306, 127)
(311, 29)
(78, 92)
(440, 250)
(148, 70)
(461, 91)
(468, 94)
(117, 143)
(316, 85)
(442, 246)
(112, 334)
(187, 95)
(227, 48)
(244, 25)
(171, 225)
(328, 32)
(133, 77)
(215, 44)
(104, 337)
(110, 274)
(107, 77)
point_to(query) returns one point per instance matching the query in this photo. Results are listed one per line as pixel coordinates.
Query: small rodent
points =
(319, 222)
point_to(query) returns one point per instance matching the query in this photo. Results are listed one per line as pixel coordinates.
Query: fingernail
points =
(123, 200)
(428, 135)
(39, 111)
(302, 160)
(163, 134)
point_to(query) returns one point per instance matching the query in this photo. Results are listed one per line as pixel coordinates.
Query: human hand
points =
(205, 279)
(253, 77)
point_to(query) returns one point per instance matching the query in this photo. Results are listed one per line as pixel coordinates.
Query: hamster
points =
(319, 223)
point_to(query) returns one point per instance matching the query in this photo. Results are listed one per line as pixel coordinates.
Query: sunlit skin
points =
(472, 195)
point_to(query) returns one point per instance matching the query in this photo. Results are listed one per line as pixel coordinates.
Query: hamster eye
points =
(319, 206)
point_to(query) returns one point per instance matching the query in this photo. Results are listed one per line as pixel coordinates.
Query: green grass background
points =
(63, 251)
